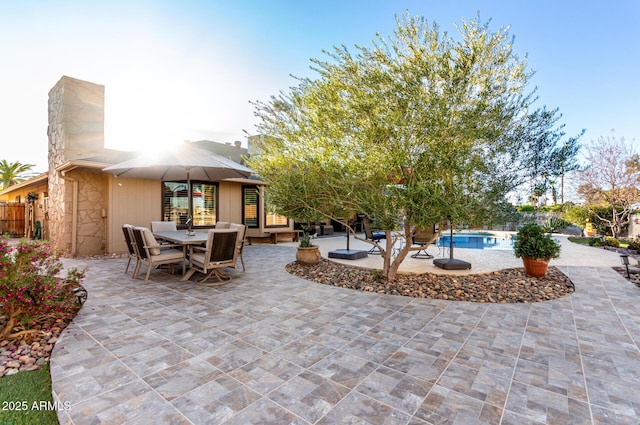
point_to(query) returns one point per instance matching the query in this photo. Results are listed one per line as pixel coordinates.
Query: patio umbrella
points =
(187, 162)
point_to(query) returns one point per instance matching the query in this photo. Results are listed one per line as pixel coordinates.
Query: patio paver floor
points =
(269, 348)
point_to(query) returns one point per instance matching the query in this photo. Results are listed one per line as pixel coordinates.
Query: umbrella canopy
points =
(184, 163)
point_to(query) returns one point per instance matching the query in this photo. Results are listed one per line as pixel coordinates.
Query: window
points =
(175, 203)
(272, 219)
(250, 206)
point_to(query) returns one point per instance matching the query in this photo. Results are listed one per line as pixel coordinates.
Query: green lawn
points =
(585, 241)
(26, 399)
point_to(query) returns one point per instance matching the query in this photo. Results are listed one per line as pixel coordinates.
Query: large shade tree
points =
(418, 129)
(10, 172)
(611, 180)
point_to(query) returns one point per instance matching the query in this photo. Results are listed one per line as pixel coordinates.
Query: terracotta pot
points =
(536, 267)
(308, 256)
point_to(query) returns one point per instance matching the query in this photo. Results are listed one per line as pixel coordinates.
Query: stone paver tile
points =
(371, 349)
(156, 358)
(443, 406)
(396, 389)
(475, 383)
(391, 333)
(269, 338)
(343, 368)
(303, 352)
(487, 361)
(181, 378)
(442, 348)
(359, 409)
(614, 395)
(133, 403)
(232, 355)
(99, 379)
(331, 336)
(216, 401)
(266, 373)
(501, 341)
(266, 412)
(417, 364)
(546, 406)
(309, 396)
(557, 375)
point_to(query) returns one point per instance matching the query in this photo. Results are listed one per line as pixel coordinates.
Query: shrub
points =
(532, 241)
(611, 241)
(634, 244)
(526, 208)
(554, 225)
(595, 242)
(30, 287)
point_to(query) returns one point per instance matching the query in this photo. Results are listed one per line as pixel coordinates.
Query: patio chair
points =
(153, 254)
(220, 251)
(241, 228)
(163, 226)
(222, 225)
(423, 238)
(374, 236)
(127, 230)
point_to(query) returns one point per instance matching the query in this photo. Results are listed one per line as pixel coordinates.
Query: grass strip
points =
(25, 399)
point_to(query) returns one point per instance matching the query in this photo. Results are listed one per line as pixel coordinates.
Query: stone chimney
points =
(76, 120)
(76, 130)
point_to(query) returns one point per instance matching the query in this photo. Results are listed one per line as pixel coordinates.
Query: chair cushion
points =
(163, 226)
(168, 255)
(149, 239)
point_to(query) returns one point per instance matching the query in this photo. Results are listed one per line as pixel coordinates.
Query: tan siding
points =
(132, 201)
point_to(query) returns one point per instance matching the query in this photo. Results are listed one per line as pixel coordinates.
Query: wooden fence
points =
(12, 216)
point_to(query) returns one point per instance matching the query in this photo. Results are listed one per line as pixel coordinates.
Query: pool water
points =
(477, 241)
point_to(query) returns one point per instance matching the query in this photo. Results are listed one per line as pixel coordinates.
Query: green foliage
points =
(10, 173)
(419, 128)
(634, 244)
(611, 180)
(526, 208)
(305, 240)
(532, 241)
(611, 241)
(30, 286)
(595, 242)
(23, 390)
(554, 225)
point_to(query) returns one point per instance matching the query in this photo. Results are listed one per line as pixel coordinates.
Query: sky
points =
(189, 70)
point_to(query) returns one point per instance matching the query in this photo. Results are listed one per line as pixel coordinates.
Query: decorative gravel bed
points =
(504, 286)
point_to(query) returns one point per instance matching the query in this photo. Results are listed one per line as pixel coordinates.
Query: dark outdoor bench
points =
(276, 235)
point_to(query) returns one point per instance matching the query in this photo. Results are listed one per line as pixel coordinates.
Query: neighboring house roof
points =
(26, 183)
(231, 151)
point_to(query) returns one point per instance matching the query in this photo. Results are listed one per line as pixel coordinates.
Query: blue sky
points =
(186, 70)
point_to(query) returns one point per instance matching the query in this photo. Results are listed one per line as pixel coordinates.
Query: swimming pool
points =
(478, 241)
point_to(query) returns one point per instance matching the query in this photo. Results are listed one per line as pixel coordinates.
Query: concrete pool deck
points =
(482, 260)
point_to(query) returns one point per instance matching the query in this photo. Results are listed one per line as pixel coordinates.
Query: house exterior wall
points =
(130, 201)
(76, 130)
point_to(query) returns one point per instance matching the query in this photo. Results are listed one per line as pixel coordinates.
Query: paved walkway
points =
(269, 348)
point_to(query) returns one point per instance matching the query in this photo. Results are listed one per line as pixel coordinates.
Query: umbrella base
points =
(348, 254)
(451, 264)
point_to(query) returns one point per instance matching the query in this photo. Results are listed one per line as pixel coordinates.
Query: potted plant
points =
(307, 254)
(536, 248)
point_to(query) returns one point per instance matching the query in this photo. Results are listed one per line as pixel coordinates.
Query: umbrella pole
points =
(189, 202)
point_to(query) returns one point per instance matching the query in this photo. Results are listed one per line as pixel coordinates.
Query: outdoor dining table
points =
(182, 238)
